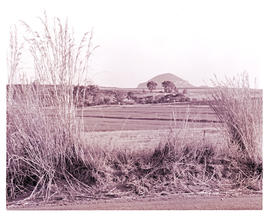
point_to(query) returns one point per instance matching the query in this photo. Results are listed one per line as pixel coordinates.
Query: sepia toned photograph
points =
(126, 105)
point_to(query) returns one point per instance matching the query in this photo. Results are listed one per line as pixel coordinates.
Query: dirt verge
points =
(192, 202)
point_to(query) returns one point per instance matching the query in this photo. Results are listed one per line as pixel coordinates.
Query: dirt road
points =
(246, 202)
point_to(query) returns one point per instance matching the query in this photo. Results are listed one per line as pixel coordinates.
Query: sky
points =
(138, 40)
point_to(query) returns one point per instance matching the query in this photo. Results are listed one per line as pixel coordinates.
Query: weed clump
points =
(239, 108)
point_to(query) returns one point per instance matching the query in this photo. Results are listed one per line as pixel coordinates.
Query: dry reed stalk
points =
(43, 134)
(240, 109)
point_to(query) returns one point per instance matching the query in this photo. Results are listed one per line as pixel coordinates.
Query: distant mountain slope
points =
(179, 83)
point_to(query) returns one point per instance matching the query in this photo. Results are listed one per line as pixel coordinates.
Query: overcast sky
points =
(141, 39)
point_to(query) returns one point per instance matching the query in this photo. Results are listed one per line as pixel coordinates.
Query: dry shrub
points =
(240, 109)
(169, 168)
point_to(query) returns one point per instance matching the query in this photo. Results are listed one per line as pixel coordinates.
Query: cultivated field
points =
(147, 117)
(144, 127)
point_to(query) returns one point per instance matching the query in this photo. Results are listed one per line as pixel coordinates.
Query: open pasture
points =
(148, 140)
(146, 117)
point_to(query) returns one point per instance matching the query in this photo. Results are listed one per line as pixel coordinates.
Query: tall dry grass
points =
(239, 107)
(43, 135)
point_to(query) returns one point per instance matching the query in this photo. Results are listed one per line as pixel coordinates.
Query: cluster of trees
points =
(92, 95)
(161, 98)
(168, 87)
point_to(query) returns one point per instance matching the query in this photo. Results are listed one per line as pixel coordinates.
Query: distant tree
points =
(98, 98)
(185, 91)
(107, 100)
(151, 85)
(130, 95)
(119, 96)
(169, 87)
(85, 94)
(92, 89)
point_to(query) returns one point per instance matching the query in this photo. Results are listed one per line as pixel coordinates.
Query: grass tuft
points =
(43, 134)
(239, 107)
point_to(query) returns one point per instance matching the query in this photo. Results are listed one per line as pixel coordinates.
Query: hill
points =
(179, 83)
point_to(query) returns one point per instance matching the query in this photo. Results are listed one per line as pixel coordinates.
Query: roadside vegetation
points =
(46, 158)
(239, 108)
(43, 146)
